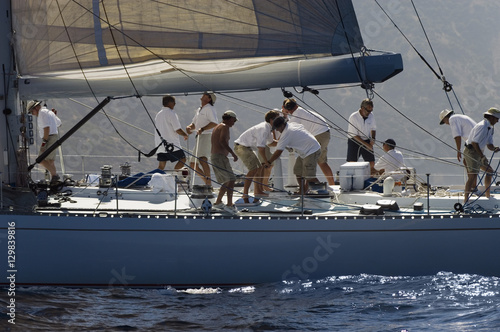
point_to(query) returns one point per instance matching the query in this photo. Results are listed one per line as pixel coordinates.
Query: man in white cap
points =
(47, 123)
(460, 126)
(220, 162)
(481, 136)
(203, 122)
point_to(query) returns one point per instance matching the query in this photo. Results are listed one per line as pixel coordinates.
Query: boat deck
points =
(95, 200)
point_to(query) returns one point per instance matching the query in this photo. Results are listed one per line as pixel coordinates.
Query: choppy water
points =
(444, 302)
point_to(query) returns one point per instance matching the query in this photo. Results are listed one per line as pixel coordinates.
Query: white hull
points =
(154, 249)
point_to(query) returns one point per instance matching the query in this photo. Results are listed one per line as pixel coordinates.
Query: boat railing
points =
(91, 164)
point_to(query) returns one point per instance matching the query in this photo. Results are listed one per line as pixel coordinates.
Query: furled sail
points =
(60, 44)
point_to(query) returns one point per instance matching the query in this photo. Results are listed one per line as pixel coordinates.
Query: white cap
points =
(444, 114)
(32, 104)
(494, 112)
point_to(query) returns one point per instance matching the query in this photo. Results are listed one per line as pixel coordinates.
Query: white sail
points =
(62, 44)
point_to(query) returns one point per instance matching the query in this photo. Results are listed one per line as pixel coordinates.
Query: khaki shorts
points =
(52, 156)
(247, 156)
(222, 168)
(473, 161)
(323, 140)
(203, 146)
(306, 167)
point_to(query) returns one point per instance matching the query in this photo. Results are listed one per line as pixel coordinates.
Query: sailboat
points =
(98, 234)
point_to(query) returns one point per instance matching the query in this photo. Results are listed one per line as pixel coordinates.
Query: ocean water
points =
(443, 302)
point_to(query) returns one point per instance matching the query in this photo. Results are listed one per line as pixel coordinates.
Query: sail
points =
(75, 40)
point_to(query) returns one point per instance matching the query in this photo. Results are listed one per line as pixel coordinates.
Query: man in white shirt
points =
(295, 136)
(392, 160)
(317, 126)
(203, 122)
(47, 123)
(481, 136)
(460, 125)
(361, 132)
(168, 125)
(257, 137)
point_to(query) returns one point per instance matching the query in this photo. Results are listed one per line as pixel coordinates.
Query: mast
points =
(10, 116)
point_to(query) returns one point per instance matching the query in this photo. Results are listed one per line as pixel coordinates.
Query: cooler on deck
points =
(353, 175)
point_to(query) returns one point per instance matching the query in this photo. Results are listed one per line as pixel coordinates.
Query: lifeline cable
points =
(447, 87)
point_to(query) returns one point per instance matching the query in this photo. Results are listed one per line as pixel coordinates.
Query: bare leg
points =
(327, 171)
(230, 189)
(206, 170)
(222, 191)
(265, 173)
(248, 182)
(487, 183)
(300, 181)
(258, 186)
(201, 171)
(161, 165)
(50, 166)
(372, 167)
(487, 180)
(180, 164)
(471, 178)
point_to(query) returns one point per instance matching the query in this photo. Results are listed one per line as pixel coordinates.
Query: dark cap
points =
(390, 142)
(278, 122)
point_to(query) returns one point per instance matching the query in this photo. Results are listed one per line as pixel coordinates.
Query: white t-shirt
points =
(257, 136)
(361, 127)
(167, 123)
(461, 125)
(390, 161)
(47, 118)
(312, 121)
(295, 136)
(204, 115)
(482, 134)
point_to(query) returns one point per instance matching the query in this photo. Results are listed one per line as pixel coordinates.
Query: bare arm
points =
(207, 127)
(275, 156)
(458, 142)
(372, 139)
(362, 142)
(262, 152)
(182, 133)
(493, 148)
(224, 141)
(46, 132)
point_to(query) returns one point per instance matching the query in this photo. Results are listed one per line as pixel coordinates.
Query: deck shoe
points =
(218, 206)
(230, 209)
(55, 179)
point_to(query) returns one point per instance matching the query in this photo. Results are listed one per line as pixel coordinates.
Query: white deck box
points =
(353, 175)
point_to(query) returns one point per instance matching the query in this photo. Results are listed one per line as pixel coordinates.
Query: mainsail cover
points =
(62, 35)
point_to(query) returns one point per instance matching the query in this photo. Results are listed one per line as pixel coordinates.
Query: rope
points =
(480, 180)
(447, 87)
(85, 76)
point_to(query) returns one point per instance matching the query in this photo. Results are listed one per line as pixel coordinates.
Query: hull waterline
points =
(77, 251)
